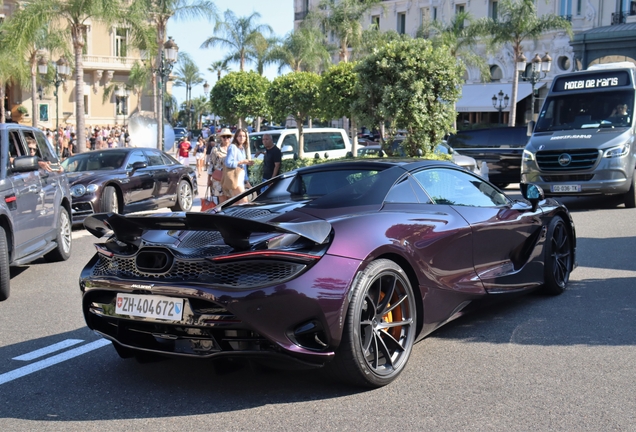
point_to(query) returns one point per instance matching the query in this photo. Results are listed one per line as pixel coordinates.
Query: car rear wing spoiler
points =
(235, 231)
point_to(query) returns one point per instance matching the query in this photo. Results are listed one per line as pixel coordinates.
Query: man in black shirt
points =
(272, 159)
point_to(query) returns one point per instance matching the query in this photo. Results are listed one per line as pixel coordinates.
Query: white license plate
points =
(565, 188)
(149, 306)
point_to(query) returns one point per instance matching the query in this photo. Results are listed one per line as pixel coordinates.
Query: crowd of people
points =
(97, 137)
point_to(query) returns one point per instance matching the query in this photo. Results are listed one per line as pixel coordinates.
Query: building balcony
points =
(92, 62)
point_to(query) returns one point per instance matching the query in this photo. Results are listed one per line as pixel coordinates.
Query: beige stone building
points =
(605, 30)
(107, 61)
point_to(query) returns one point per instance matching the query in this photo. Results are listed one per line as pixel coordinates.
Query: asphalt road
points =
(532, 363)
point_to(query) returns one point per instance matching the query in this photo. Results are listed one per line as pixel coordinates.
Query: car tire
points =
(184, 197)
(375, 347)
(110, 202)
(630, 196)
(558, 257)
(5, 277)
(64, 241)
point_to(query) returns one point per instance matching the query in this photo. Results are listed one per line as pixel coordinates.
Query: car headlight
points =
(617, 151)
(92, 188)
(528, 156)
(78, 190)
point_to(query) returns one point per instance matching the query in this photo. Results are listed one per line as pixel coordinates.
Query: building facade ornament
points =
(97, 76)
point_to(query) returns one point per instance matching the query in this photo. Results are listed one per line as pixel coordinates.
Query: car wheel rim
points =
(386, 324)
(561, 254)
(115, 204)
(65, 232)
(186, 196)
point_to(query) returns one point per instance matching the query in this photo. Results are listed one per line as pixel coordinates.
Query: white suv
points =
(329, 143)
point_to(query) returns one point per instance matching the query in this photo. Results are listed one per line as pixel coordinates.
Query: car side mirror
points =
(287, 149)
(25, 164)
(139, 165)
(532, 193)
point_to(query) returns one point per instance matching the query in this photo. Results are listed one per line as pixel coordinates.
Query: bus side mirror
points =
(531, 124)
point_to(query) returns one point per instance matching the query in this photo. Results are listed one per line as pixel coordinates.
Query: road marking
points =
(42, 364)
(48, 350)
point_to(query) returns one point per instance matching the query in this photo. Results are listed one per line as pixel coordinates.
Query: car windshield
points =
(580, 111)
(333, 187)
(256, 142)
(95, 161)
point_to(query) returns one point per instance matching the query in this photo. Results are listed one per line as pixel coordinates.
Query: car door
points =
(139, 184)
(507, 236)
(27, 201)
(49, 180)
(164, 183)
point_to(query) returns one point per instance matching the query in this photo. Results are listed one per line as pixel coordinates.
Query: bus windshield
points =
(587, 111)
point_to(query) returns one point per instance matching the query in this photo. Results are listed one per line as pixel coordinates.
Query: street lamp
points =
(539, 70)
(168, 59)
(500, 102)
(62, 70)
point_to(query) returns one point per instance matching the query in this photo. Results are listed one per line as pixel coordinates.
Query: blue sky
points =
(190, 34)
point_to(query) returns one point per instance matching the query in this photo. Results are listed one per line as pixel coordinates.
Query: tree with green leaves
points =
(10, 71)
(344, 19)
(139, 77)
(295, 94)
(338, 95)
(159, 12)
(32, 35)
(238, 34)
(239, 95)
(304, 49)
(261, 51)
(217, 67)
(517, 21)
(413, 87)
(187, 75)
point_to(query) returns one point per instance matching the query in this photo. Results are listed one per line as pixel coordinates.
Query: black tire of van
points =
(630, 196)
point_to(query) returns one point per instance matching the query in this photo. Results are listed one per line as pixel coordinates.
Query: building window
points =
(401, 23)
(425, 15)
(434, 15)
(120, 42)
(565, 9)
(493, 10)
(86, 104)
(375, 21)
(459, 8)
(495, 73)
(121, 107)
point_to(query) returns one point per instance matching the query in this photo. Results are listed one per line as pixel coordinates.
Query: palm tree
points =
(217, 67)
(201, 106)
(304, 49)
(459, 39)
(238, 34)
(73, 15)
(344, 19)
(10, 70)
(517, 22)
(187, 75)
(32, 35)
(262, 51)
(159, 12)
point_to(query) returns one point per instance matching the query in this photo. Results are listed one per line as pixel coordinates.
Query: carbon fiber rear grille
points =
(240, 274)
(567, 178)
(578, 159)
(248, 213)
(200, 239)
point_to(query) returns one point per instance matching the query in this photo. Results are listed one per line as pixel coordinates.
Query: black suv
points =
(501, 149)
(35, 202)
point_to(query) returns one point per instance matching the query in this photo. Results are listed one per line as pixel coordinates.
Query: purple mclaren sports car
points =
(344, 265)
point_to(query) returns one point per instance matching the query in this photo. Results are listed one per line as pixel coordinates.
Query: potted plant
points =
(22, 110)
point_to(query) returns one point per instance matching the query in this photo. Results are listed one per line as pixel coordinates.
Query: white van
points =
(329, 143)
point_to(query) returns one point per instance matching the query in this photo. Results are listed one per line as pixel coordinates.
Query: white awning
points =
(478, 97)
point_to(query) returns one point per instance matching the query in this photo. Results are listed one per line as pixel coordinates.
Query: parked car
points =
(500, 148)
(343, 264)
(180, 132)
(463, 161)
(319, 142)
(125, 180)
(36, 202)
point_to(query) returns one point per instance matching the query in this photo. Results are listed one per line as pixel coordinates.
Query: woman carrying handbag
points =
(236, 163)
(217, 163)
